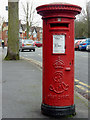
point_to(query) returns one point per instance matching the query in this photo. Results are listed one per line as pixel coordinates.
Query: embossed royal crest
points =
(59, 64)
(59, 86)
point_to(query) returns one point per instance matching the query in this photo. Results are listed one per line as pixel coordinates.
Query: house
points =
(35, 33)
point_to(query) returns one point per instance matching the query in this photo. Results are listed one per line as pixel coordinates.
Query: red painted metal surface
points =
(58, 68)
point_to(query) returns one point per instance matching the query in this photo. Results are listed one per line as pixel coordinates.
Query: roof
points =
(37, 29)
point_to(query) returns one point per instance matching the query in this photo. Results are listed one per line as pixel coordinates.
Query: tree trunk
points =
(27, 30)
(13, 32)
(27, 21)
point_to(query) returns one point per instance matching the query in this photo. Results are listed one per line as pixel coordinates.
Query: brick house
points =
(35, 33)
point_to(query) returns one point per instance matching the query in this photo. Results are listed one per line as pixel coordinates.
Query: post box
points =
(58, 58)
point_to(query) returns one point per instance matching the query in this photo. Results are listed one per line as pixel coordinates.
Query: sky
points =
(4, 13)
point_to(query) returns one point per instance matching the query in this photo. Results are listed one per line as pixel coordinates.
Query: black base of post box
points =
(55, 111)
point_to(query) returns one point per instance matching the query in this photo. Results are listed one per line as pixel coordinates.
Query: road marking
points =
(79, 86)
(76, 80)
(86, 90)
(84, 84)
(81, 83)
(82, 87)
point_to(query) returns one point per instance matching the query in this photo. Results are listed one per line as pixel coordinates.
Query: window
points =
(6, 32)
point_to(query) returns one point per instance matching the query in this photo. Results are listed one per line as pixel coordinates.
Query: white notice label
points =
(58, 43)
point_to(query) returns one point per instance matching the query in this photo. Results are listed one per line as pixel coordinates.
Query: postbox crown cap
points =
(57, 8)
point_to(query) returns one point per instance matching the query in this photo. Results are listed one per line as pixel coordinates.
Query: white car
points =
(88, 48)
(26, 44)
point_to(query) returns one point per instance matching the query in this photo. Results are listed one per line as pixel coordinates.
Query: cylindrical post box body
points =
(58, 58)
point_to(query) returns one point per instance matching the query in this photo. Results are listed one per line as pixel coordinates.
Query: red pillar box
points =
(58, 58)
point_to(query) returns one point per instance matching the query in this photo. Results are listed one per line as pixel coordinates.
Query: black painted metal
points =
(55, 111)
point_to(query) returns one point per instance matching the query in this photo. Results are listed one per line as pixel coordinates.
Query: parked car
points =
(37, 44)
(83, 45)
(26, 44)
(88, 48)
(77, 42)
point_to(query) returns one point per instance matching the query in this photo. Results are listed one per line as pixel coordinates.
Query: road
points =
(81, 62)
(81, 66)
(37, 55)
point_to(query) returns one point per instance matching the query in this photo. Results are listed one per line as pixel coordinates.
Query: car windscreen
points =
(83, 41)
(28, 41)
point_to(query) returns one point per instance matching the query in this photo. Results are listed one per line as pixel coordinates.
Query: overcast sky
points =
(4, 13)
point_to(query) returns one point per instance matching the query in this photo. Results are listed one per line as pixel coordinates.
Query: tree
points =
(13, 31)
(81, 29)
(81, 25)
(88, 17)
(29, 14)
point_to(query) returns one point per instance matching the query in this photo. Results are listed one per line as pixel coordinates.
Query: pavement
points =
(22, 91)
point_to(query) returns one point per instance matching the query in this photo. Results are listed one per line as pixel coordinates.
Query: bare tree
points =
(81, 25)
(83, 16)
(81, 29)
(29, 13)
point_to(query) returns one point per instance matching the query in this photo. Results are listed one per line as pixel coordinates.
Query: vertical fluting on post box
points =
(58, 58)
